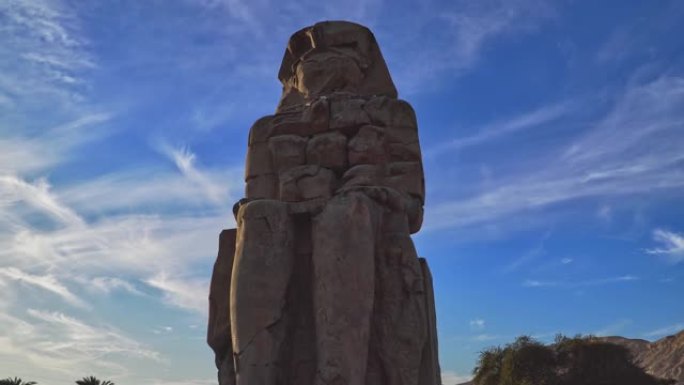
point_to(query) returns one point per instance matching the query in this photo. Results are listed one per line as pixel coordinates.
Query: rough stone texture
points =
(343, 286)
(287, 151)
(328, 150)
(364, 175)
(218, 330)
(347, 115)
(430, 372)
(259, 162)
(390, 112)
(306, 182)
(663, 358)
(368, 146)
(264, 258)
(333, 56)
(325, 286)
(262, 187)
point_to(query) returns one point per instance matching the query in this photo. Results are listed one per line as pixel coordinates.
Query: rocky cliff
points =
(663, 358)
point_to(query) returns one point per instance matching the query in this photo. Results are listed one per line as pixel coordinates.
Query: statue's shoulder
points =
(261, 130)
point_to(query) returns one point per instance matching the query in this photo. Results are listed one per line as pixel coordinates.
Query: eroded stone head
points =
(333, 56)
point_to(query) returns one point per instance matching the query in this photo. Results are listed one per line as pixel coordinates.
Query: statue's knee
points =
(350, 207)
(354, 198)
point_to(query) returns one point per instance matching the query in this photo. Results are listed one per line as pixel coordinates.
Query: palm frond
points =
(15, 381)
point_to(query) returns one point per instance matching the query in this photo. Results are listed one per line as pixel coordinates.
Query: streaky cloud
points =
(634, 149)
(672, 245)
(45, 282)
(579, 284)
(665, 331)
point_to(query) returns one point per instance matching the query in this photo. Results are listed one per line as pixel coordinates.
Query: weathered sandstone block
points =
(368, 146)
(318, 115)
(259, 160)
(262, 187)
(328, 150)
(288, 151)
(260, 277)
(348, 115)
(389, 112)
(306, 182)
(218, 329)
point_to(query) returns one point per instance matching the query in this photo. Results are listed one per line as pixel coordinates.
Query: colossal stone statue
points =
(321, 283)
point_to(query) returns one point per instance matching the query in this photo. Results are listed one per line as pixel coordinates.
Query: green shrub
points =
(569, 361)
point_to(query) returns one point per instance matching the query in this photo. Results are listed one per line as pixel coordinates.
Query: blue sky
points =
(553, 143)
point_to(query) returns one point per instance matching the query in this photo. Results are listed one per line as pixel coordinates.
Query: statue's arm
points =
(405, 168)
(386, 153)
(407, 178)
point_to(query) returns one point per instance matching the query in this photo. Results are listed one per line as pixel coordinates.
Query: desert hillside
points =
(663, 358)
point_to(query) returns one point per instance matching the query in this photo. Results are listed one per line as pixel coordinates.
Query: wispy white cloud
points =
(453, 378)
(628, 39)
(95, 237)
(577, 284)
(44, 54)
(672, 245)
(634, 149)
(533, 253)
(451, 42)
(614, 328)
(38, 196)
(45, 282)
(24, 151)
(476, 24)
(154, 189)
(549, 265)
(45, 65)
(486, 337)
(163, 330)
(446, 43)
(665, 331)
(22, 154)
(93, 338)
(498, 130)
(605, 213)
(645, 112)
(100, 257)
(477, 324)
(108, 285)
(185, 161)
(184, 293)
(240, 10)
(131, 244)
(58, 343)
(205, 118)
